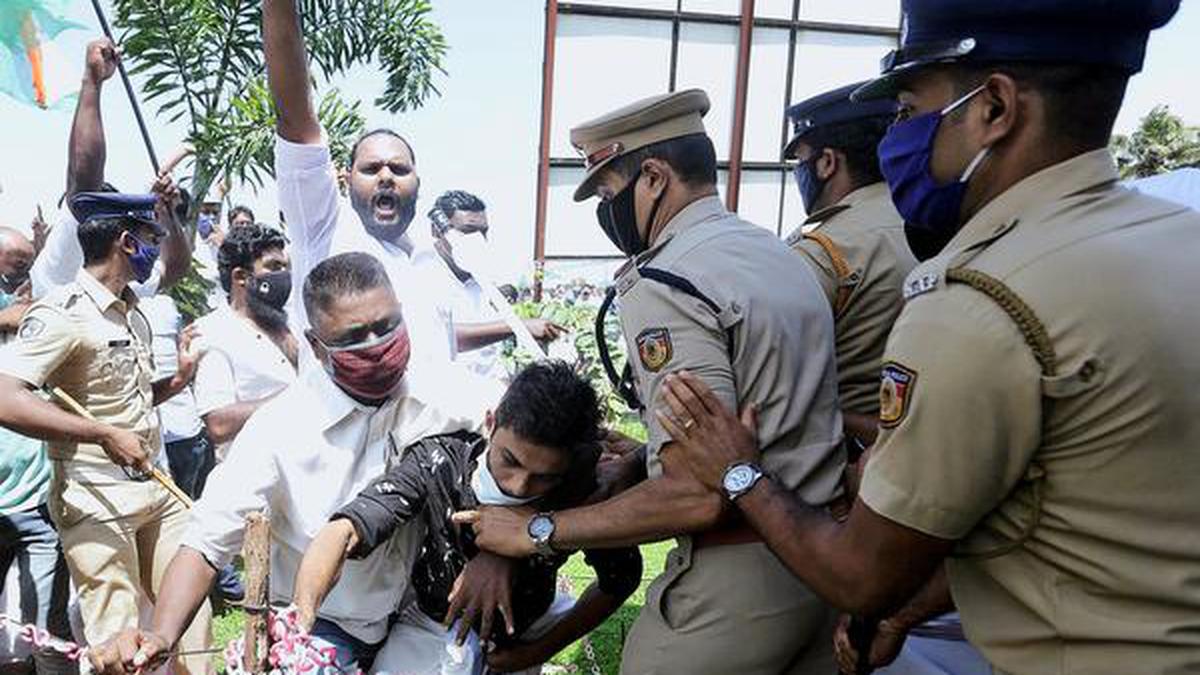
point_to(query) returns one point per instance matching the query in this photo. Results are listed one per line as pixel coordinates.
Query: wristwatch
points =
(739, 479)
(541, 531)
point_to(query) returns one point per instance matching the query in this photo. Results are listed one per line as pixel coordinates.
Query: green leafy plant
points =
(579, 319)
(1162, 142)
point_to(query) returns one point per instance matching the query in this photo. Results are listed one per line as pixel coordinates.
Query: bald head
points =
(16, 257)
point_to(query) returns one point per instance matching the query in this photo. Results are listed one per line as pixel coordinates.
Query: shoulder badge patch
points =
(920, 285)
(895, 390)
(31, 327)
(654, 348)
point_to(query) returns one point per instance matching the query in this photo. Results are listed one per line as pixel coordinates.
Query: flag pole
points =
(137, 110)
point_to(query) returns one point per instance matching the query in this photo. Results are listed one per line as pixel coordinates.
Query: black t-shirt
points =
(430, 480)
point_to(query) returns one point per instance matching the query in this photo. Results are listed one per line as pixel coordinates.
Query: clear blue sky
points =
(480, 135)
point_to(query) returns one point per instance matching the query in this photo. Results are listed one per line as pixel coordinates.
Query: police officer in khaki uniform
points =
(711, 293)
(1039, 388)
(853, 238)
(88, 339)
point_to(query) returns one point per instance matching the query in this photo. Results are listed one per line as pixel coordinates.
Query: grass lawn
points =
(606, 640)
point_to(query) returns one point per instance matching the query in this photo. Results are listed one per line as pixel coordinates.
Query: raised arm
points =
(87, 151)
(177, 245)
(287, 73)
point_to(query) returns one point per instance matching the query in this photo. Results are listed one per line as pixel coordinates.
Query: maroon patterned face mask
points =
(372, 370)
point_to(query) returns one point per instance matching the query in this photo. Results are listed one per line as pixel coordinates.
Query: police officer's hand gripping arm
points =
(868, 566)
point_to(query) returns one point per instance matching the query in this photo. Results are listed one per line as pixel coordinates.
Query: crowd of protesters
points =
(946, 427)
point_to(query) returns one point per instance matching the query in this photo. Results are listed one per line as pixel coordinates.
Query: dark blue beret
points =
(1085, 32)
(830, 108)
(89, 205)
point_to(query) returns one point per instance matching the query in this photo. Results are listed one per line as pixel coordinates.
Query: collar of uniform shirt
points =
(862, 194)
(1080, 173)
(100, 294)
(693, 214)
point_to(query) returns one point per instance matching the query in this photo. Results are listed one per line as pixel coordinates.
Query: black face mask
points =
(10, 284)
(618, 218)
(272, 288)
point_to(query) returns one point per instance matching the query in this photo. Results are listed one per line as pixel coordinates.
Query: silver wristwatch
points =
(740, 479)
(541, 531)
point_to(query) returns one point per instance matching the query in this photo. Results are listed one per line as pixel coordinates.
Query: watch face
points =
(739, 478)
(541, 527)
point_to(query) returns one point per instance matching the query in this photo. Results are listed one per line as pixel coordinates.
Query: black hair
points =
(692, 157)
(240, 209)
(242, 246)
(97, 235)
(381, 132)
(341, 275)
(859, 141)
(450, 202)
(550, 404)
(1081, 101)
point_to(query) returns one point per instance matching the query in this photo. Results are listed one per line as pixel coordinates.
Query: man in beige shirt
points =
(853, 238)
(1038, 394)
(89, 339)
(705, 290)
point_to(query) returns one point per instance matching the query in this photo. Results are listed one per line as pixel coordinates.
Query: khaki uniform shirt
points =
(96, 347)
(1073, 496)
(869, 234)
(783, 340)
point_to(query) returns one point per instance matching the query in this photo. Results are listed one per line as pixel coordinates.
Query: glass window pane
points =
(765, 96)
(726, 7)
(826, 61)
(571, 227)
(639, 4)
(793, 207)
(602, 64)
(865, 12)
(708, 60)
(758, 201)
(774, 9)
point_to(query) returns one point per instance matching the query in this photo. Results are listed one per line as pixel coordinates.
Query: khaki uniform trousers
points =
(118, 535)
(722, 610)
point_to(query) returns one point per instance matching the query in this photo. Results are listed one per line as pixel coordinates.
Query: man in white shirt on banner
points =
(382, 184)
(248, 351)
(306, 453)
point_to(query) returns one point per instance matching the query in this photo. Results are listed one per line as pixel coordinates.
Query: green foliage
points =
(580, 319)
(202, 61)
(191, 294)
(1161, 143)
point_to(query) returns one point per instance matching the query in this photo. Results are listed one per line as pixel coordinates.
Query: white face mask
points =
(470, 251)
(487, 490)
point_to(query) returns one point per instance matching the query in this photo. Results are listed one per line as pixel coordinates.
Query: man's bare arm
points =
(868, 566)
(87, 151)
(321, 567)
(287, 73)
(224, 423)
(184, 587)
(33, 416)
(658, 508)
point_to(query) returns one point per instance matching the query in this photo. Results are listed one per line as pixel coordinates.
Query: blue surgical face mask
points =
(931, 211)
(806, 180)
(142, 259)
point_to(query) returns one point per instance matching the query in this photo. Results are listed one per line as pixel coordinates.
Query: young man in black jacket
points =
(541, 453)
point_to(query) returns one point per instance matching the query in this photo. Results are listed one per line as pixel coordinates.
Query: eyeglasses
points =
(359, 337)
